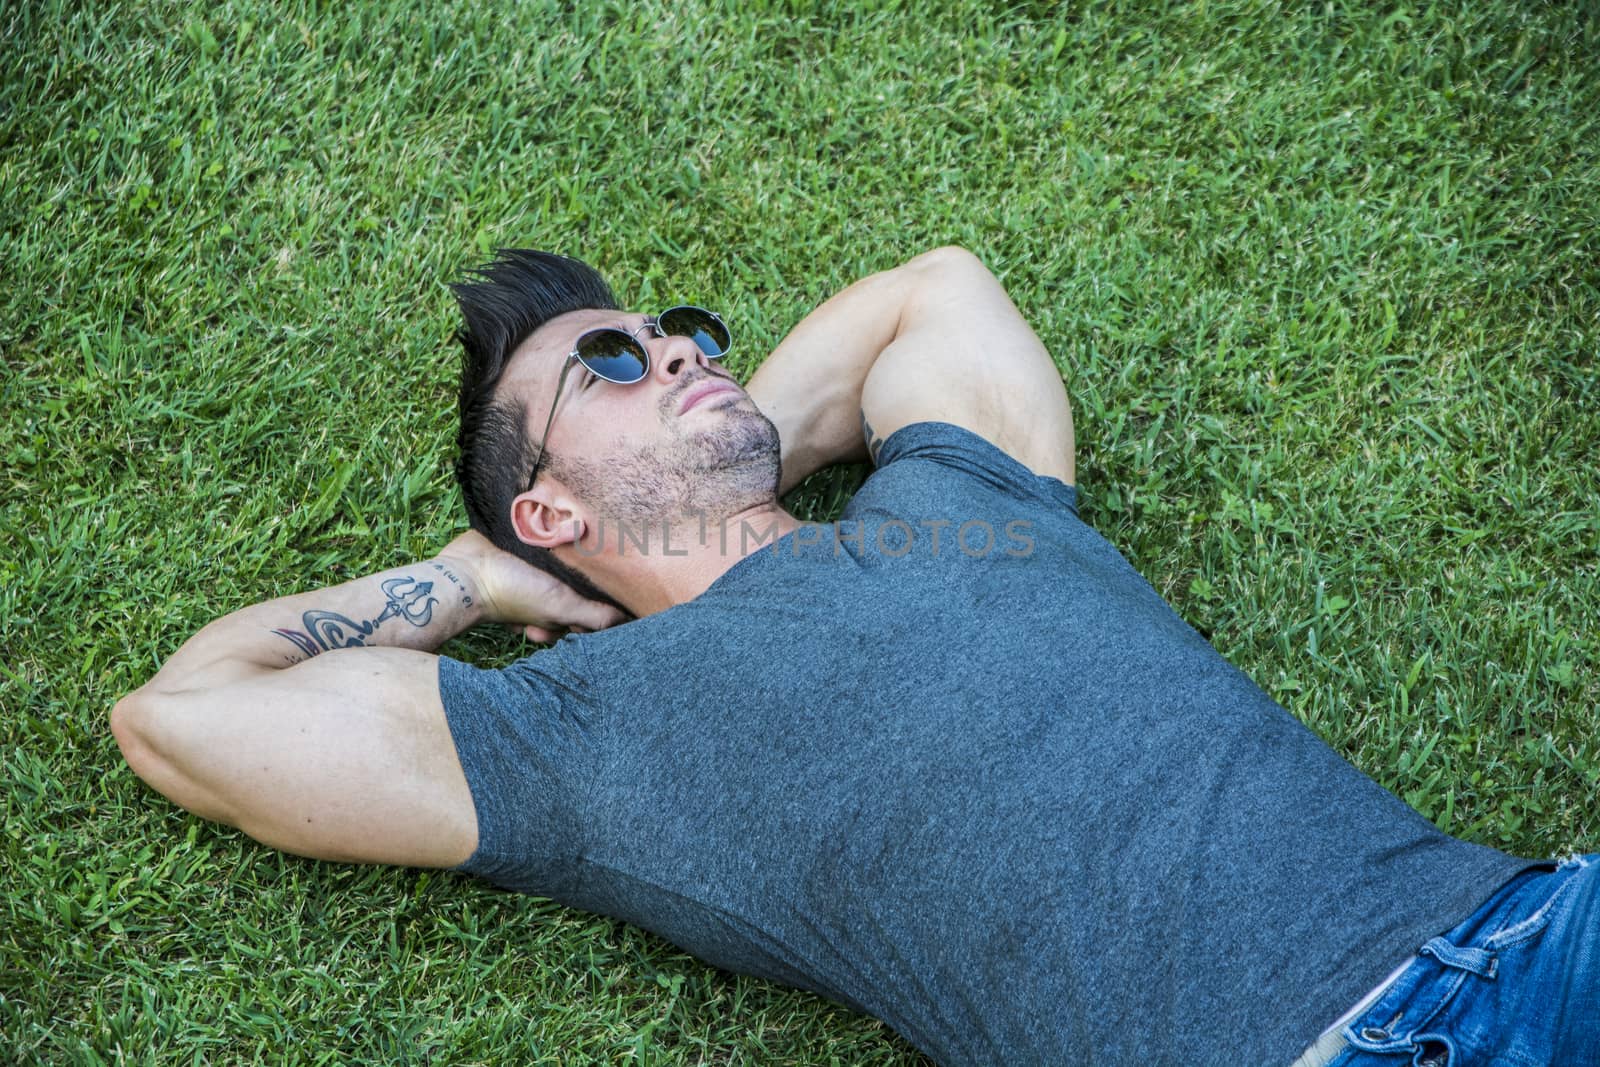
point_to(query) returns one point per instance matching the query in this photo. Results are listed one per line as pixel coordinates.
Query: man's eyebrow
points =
(619, 323)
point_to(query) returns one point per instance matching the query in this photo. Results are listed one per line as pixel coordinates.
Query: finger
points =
(540, 634)
(597, 616)
(576, 610)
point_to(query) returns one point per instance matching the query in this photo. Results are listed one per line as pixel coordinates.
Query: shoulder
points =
(943, 456)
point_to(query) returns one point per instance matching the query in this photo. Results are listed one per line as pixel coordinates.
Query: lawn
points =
(1323, 282)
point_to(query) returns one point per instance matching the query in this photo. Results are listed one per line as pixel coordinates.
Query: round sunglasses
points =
(619, 357)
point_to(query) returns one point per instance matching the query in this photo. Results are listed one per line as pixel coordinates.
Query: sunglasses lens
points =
(612, 355)
(699, 325)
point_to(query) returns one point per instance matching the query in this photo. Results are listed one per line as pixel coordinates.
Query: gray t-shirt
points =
(956, 764)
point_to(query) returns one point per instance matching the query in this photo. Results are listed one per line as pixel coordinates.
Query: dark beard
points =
(706, 475)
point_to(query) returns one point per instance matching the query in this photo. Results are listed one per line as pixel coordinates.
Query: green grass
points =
(1321, 279)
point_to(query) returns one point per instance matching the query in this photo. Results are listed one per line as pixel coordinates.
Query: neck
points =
(649, 566)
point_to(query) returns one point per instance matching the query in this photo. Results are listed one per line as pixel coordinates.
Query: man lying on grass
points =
(950, 760)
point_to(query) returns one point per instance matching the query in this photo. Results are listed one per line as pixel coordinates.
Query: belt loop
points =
(1479, 961)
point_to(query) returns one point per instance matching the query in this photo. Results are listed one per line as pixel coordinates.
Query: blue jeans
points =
(1516, 985)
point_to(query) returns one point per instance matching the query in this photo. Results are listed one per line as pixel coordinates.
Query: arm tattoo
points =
(874, 442)
(407, 598)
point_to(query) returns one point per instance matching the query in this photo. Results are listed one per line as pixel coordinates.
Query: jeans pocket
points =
(1518, 930)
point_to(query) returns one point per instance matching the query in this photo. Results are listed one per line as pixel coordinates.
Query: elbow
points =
(154, 745)
(947, 258)
(129, 725)
(136, 724)
(945, 272)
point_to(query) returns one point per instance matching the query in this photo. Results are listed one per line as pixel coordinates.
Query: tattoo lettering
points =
(874, 442)
(406, 598)
(466, 597)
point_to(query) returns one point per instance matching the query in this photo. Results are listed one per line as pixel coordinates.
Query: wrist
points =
(457, 574)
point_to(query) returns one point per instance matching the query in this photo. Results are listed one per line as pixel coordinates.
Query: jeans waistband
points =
(1404, 1004)
(1332, 1042)
(1323, 1050)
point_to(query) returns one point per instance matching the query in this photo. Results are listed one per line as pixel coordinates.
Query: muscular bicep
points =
(344, 757)
(964, 355)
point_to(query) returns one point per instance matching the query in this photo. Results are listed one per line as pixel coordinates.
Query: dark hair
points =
(502, 304)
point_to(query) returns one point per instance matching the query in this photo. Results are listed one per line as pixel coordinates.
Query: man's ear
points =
(546, 517)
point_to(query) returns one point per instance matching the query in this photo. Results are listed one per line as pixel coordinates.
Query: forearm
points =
(344, 756)
(420, 606)
(810, 387)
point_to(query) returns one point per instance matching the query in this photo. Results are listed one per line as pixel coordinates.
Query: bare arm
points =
(936, 338)
(313, 722)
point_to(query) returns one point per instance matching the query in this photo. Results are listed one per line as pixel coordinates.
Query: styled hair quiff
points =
(502, 303)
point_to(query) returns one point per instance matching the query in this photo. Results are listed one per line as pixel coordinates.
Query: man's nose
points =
(673, 357)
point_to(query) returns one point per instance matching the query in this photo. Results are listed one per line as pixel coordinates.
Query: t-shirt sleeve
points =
(962, 450)
(525, 735)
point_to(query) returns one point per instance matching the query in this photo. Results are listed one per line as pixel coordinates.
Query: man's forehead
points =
(540, 354)
(561, 331)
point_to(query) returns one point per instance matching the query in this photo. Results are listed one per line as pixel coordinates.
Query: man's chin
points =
(725, 462)
(737, 435)
(736, 458)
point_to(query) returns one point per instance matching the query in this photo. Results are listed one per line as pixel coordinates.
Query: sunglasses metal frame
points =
(576, 356)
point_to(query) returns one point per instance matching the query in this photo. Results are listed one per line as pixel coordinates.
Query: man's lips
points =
(704, 390)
